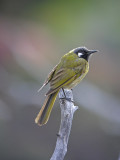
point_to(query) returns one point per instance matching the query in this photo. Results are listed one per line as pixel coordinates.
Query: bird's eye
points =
(79, 54)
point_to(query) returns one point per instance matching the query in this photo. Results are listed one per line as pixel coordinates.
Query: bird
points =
(70, 70)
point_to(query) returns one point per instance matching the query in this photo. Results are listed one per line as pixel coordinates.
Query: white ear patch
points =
(79, 54)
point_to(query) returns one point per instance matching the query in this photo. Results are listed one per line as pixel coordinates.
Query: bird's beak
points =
(92, 51)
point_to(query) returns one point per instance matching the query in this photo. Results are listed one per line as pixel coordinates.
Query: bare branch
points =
(67, 112)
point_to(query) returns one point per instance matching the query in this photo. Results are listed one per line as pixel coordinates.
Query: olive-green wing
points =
(49, 77)
(63, 77)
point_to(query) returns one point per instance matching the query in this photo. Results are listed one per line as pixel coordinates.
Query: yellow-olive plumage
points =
(71, 69)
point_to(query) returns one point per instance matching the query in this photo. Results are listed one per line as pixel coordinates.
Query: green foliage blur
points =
(34, 35)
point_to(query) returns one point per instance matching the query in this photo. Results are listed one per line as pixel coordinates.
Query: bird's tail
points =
(45, 111)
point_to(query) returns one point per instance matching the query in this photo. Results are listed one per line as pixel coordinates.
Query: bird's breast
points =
(81, 73)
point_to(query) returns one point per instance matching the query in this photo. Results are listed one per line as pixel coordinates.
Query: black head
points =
(83, 52)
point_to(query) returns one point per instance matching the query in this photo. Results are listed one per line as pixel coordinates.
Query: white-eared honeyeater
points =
(71, 69)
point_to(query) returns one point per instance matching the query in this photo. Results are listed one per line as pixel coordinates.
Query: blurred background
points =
(33, 37)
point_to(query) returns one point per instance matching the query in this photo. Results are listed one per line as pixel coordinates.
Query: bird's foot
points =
(68, 99)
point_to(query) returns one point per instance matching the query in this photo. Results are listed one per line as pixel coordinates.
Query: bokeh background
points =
(33, 37)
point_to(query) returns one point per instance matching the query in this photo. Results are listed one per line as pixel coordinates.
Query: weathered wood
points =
(67, 112)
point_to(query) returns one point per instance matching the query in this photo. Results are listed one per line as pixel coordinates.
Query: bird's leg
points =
(64, 93)
(68, 99)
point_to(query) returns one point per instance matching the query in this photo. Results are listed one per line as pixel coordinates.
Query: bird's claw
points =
(68, 99)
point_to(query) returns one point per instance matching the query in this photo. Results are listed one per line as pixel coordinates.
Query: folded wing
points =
(62, 78)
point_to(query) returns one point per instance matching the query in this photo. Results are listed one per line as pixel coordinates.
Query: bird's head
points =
(83, 52)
